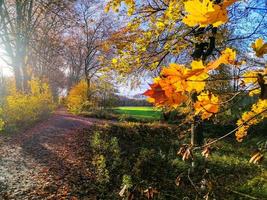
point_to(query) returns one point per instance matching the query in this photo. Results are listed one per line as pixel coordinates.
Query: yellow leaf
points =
(114, 60)
(254, 92)
(160, 25)
(250, 77)
(228, 56)
(254, 116)
(259, 47)
(205, 12)
(206, 105)
(197, 65)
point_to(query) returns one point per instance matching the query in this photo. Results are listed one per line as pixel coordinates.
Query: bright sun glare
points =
(3, 66)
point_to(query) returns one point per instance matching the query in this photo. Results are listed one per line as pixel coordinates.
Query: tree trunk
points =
(20, 71)
(18, 76)
(197, 137)
(23, 25)
(26, 78)
(88, 81)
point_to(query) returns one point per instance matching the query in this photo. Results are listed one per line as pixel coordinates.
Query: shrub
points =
(2, 123)
(101, 172)
(62, 101)
(100, 95)
(22, 109)
(77, 99)
(107, 114)
(132, 154)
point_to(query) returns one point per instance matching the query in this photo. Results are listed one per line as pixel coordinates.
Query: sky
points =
(127, 90)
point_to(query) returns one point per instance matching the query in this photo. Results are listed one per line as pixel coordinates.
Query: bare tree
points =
(74, 58)
(86, 45)
(19, 21)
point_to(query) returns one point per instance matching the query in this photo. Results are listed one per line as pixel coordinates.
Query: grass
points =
(139, 112)
(146, 155)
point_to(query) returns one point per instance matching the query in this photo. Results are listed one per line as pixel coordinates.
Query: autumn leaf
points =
(184, 79)
(174, 70)
(156, 94)
(186, 152)
(255, 91)
(114, 61)
(123, 190)
(205, 12)
(160, 25)
(250, 77)
(259, 47)
(256, 158)
(178, 181)
(196, 77)
(228, 56)
(257, 113)
(163, 93)
(206, 152)
(174, 98)
(150, 193)
(198, 12)
(206, 105)
(117, 3)
(227, 3)
(182, 149)
(175, 75)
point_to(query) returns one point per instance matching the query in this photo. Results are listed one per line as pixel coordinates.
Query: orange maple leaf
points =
(163, 93)
(206, 105)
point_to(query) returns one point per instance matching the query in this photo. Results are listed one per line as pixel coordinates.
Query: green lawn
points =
(140, 112)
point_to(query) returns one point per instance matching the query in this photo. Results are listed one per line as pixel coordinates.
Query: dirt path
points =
(49, 161)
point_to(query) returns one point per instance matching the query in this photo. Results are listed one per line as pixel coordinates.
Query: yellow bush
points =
(20, 108)
(77, 98)
(99, 93)
(2, 123)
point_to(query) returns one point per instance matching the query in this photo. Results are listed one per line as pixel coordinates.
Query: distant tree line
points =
(125, 101)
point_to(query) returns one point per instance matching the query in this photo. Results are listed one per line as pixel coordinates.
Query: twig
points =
(173, 197)
(224, 136)
(248, 36)
(256, 8)
(224, 79)
(242, 194)
(192, 183)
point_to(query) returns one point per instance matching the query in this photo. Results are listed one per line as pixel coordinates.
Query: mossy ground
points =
(146, 155)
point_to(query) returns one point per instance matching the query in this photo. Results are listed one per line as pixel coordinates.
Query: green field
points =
(140, 112)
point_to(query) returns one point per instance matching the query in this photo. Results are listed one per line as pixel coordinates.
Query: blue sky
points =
(126, 89)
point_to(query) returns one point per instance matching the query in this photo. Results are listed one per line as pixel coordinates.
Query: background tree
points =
(86, 51)
(20, 21)
(74, 57)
